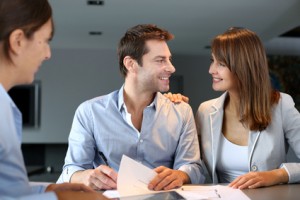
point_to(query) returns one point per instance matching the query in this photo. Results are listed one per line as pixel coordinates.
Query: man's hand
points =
(260, 179)
(167, 179)
(177, 98)
(101, 178)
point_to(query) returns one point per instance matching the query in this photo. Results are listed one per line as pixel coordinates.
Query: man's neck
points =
(136, 100)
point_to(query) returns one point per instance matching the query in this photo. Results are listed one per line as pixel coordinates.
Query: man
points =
(136, 120)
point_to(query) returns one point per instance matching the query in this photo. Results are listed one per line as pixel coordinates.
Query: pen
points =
(205, 191)
(102, 156)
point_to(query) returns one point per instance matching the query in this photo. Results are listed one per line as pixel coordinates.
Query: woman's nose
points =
(48, 53)
(211, 69)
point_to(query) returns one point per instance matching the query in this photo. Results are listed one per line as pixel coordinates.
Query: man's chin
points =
(164, 90)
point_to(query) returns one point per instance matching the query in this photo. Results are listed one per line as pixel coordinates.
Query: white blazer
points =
(266, 149)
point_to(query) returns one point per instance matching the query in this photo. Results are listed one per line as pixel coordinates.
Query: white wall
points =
(67, 79)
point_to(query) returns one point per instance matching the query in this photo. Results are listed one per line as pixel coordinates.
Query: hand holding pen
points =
(102, 156)
(101, 178)
(106, 177)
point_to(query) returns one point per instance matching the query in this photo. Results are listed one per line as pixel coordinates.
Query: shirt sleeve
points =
(38, 189)
(188, 151)
(293, 170)
(44, 196)
(81, 152)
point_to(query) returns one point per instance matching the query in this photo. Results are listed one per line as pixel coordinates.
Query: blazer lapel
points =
(252, 141)
(216, 121)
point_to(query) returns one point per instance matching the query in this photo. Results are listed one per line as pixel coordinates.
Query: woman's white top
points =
(232, 161)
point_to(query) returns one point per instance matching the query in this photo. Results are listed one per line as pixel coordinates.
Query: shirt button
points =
(254, 168)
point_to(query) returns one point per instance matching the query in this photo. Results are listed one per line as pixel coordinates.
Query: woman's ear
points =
(130, 64)
(16, 40)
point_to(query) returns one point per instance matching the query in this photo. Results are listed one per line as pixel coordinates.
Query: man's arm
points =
(78, 167)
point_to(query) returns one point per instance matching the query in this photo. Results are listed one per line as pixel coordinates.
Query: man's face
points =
(156, 67)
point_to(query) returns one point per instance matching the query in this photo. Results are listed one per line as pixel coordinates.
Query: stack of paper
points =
(133, 180)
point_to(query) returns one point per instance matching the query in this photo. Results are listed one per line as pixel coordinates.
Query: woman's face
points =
(34, 51)
(223, 78)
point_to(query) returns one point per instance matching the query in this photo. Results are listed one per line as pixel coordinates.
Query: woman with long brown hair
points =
(245, 133)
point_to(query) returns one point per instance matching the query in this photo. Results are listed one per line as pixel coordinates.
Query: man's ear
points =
(130, 64)
(16, 40)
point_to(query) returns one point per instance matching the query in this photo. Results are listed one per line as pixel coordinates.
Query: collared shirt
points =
(168, 136)
(14, 182)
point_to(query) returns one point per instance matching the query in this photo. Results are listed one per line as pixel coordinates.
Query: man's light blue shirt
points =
(168, 136)
(14, 182)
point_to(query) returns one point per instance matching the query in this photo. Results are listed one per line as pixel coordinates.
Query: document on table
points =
(134, 177)
(133, 180)
(219, 192)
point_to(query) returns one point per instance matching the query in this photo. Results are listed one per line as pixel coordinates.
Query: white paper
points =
(199, 192)
(111, 194)
(231, 193)
(133, 178)
(218, 192)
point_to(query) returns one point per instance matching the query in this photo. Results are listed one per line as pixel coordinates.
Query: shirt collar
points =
(5, 93)
(121, 98)
(2, 90)
(153, 104)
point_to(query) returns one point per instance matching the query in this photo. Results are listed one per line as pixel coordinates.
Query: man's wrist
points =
(185, 177)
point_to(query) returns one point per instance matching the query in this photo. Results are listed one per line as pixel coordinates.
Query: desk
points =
(280, 192)
(285, 192)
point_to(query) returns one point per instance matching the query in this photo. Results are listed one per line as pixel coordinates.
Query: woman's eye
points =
(222, 64)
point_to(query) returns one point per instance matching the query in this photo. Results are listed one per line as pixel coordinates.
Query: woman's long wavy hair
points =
(242, 52)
